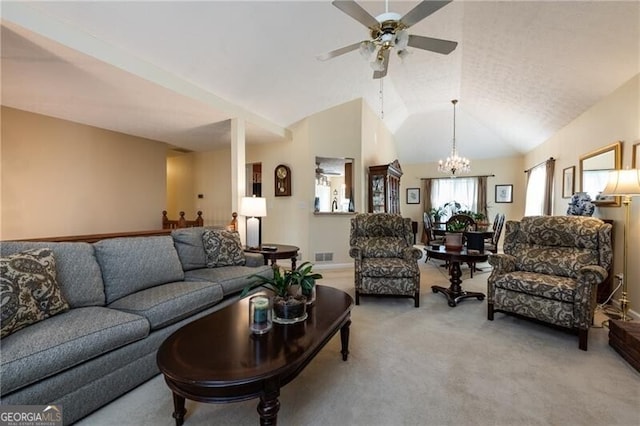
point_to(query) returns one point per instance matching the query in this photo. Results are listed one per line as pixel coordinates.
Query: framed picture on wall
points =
(413, 195)
(635, 155)
(504, 193)
(568, 182)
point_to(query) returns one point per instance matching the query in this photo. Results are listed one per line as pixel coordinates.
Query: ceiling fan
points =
(321, 171)
(389, 30)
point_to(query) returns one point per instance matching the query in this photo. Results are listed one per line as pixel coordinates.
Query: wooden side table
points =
(624, 337)
(455, 293)
(281, 252)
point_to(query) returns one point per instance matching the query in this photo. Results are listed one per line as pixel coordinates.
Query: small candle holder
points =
(260, 314)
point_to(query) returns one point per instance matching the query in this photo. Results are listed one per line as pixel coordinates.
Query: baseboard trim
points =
(332, 265)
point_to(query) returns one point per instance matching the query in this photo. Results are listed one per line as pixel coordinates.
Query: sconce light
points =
(253, 208)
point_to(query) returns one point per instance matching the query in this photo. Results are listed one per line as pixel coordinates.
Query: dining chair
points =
(428, 236)
(498, 224)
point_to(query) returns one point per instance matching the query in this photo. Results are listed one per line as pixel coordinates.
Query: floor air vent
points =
(324, 257)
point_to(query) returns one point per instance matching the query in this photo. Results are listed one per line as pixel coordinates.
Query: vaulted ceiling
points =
(179, 71)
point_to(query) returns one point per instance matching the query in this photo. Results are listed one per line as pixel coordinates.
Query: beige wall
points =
(62, 178)
(200, 173)
(180, 185)
(335, 132)
(616, 117)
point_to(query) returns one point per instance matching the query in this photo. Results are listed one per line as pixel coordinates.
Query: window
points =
(536, 193)
(461, 190)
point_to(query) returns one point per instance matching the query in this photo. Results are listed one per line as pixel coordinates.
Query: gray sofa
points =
(126, 295)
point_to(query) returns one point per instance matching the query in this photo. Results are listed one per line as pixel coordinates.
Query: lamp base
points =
(253, 232)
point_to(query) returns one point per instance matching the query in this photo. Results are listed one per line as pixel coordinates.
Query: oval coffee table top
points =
(216, 358)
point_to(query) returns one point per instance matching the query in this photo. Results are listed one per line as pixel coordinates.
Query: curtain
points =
(426, 203)
(539, 193)
(550, 166)
(482, 197)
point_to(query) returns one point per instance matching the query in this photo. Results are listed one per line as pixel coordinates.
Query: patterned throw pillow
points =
(223, 248)
(29, 291)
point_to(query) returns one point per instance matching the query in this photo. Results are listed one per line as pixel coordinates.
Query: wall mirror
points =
(594, 172)
(334, 185)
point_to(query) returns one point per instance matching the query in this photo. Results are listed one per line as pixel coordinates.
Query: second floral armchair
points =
(386, 263)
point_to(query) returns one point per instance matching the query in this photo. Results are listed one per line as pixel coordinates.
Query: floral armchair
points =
(550, 270)
(386, 263)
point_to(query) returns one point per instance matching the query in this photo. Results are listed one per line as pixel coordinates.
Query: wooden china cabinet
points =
(384, 188)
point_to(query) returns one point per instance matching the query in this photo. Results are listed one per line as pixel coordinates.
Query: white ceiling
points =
(180, 71)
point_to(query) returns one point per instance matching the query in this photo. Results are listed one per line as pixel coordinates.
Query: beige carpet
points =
(434, 365)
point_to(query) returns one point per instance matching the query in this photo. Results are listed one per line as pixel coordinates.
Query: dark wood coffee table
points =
(217, 359)
(281, 251)
(454, 292)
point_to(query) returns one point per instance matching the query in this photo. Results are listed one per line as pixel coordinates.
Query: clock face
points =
(281, 172)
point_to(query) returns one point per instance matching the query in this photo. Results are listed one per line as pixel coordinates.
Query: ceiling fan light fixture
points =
(378, 63)
(366, 49)
(454, 163)
(403, 53)
(402, 40)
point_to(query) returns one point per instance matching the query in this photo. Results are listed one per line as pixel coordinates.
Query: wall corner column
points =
(238, 174)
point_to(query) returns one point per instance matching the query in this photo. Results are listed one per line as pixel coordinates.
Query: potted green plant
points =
(436, 213)
(453, 239)
(456, 226)
(289, 305)
(482, 224)
(303, 277)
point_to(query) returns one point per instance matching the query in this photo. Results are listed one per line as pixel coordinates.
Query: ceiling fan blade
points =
(339, 52)
(421, 11)
(385, 61)
(356, 11)
(433, 44)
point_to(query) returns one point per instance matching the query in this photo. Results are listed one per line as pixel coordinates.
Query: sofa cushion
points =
(232, 278)
(190, 248)
(78, 272)
(169, 303)
(29, 291)
(548, 286)
(133, 264)
(63, 341)
(223, 248)
(389, 267)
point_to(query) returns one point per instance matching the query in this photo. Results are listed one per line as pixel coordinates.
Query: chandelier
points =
(454, 164)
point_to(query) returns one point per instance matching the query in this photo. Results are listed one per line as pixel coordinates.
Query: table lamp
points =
(625, 183)
(253, 208)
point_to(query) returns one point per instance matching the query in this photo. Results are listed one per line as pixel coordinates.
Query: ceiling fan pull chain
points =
(381, 99)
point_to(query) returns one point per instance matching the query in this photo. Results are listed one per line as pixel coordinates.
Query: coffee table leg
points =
(344, 339)
(268, 408)
(178, 409)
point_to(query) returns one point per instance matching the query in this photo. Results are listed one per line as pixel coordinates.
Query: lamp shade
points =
(253, 206)
(623, 182)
